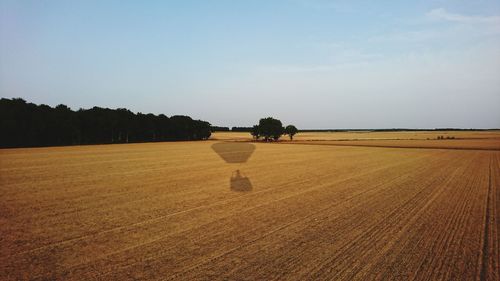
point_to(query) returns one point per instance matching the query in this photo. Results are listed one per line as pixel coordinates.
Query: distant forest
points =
(26, 124)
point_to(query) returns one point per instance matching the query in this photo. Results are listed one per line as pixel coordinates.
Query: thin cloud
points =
(461, 26)
(407, 36)
(296, 68)
(444, 15)
(341, 57)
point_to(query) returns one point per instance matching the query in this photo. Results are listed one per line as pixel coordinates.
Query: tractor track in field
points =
(360, 242)
(486, 231)
(448, 233)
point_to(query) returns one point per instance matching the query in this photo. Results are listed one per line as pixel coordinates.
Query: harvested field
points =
(478, 140)
(177, 211)
(366, 135)
(474, 144)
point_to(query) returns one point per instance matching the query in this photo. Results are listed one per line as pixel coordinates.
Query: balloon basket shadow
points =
(240, 183)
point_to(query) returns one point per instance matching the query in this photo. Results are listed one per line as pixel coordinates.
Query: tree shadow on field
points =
(236, 153)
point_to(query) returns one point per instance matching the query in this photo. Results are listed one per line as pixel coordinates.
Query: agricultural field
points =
(226, 210)
(475, 140)
(366, 135)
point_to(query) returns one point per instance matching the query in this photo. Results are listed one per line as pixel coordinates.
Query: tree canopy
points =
(271, 129)
(291, 130)
(25, 124)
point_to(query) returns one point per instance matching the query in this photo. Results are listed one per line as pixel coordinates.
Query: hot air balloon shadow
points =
(236, 153)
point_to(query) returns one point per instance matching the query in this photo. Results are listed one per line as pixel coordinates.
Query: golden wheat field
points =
(222, 210)
(368, 135)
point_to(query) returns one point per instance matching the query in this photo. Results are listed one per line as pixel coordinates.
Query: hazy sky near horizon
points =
(315, 64)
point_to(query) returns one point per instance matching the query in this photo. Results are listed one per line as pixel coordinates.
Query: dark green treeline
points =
(25, 124)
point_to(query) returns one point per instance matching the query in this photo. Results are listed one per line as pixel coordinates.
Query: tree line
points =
(220, 129)
(232, 129)
(268, 129)
(26, 124)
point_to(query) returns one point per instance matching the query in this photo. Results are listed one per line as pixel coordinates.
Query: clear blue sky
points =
(315, 64)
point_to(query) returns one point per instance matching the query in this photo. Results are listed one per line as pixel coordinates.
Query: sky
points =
(315, 64)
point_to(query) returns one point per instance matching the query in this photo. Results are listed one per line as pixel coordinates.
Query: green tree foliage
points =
(255, 132)
(25, 124)
(291, 130)
(270, 128)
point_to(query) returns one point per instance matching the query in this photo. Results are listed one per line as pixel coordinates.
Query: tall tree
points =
(270, 128)
(291, 130)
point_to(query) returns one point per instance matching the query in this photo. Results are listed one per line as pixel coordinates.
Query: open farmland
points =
(368, 135)
(175, 211)
(475, 140)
